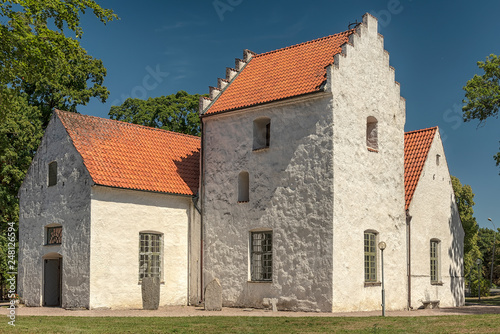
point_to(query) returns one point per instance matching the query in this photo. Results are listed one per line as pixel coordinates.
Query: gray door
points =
(52, 282)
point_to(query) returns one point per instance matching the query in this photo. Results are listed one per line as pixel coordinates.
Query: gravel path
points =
(191, 311)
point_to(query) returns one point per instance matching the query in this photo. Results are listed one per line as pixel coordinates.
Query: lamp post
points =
(493, 256)
(381, 246)
(478, 262)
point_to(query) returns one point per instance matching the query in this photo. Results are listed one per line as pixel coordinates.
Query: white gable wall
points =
(368, 186)
(118, 216)
(435, 216)
(67, 203)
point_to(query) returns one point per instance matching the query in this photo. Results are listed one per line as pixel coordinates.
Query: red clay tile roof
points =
(124, 155)
(417, 145)
(280, 74)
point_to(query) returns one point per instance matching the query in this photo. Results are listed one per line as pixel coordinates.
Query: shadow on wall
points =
(456, 255)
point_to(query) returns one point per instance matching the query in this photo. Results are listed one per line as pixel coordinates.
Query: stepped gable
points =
(417, 144)
(275, 75)
(130, 156)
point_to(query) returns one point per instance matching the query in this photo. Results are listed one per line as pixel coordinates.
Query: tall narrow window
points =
(150, 255)
(370, 257)
(243, 187)
(261, 254)
(434, 258)
(261, 133)
(52, 173)
(371, 133)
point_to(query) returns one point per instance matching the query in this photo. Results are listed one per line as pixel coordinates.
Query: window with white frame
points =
(370, 252)
(150, 254)
(434, 260)
(261, 256)
(261, 133)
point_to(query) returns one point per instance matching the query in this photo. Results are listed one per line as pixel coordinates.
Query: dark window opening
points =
(52, 173)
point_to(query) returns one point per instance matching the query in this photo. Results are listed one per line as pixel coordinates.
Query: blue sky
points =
(160, 47)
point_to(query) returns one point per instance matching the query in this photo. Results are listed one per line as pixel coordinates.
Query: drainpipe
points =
(408, 259)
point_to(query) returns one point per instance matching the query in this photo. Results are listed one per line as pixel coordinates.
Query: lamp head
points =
(382, 245)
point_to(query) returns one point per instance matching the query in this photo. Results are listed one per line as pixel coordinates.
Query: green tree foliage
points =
(177, 112)
(465, 202)
(485, 244)
(482, 94)
(49, 68)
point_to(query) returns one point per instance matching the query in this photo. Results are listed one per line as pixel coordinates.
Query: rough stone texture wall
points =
(118, 216)
(368, 186)
(67, 203)
(435, 215)
(291, 192)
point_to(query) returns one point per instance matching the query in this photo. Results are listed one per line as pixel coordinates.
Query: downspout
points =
(408, 259)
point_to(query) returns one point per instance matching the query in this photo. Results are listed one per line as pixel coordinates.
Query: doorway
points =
(52, 282)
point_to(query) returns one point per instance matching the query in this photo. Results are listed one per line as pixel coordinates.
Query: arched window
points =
(243, 187)
(371, 133)
(261, 133)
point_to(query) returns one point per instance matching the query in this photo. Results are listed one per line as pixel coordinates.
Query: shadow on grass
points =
(492, 300)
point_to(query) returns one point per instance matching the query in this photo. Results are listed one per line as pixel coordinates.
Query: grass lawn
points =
(488, 323)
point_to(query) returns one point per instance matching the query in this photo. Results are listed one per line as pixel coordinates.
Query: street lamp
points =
(478, 262)
(493, 256)
(382, 246)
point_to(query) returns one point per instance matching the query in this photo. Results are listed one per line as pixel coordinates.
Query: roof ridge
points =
(123, 123)
(350, 31)
(421, 130)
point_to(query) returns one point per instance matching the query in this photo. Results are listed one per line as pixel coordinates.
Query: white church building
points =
(302, 169)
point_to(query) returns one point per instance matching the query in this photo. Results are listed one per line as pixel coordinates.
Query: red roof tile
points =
(417, 145)
(283, 73)
(124, 155)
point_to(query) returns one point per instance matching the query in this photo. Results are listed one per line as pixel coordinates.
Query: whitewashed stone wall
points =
(290, 192)
(118, 216)
(68, 204)
(368, 186)
(317, 187)
(435, 216)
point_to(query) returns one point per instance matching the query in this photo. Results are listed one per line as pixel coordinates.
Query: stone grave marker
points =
(213, 296)
(150, 293)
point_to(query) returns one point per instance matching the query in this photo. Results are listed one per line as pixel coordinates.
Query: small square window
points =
(54, 235)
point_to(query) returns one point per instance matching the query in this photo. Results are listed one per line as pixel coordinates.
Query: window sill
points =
(367, 284)
(372, 150)
(52, 244)
(243, 201)
(260, 149)
(437, 283)
(259, 281)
